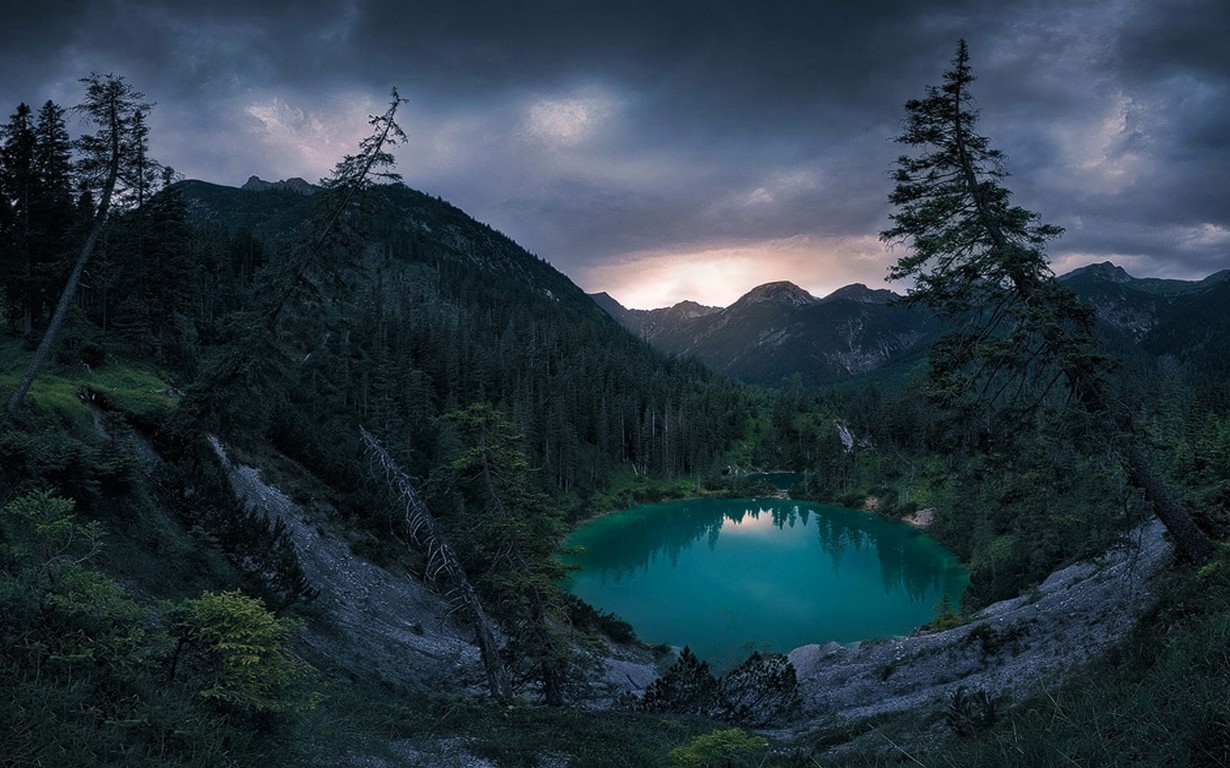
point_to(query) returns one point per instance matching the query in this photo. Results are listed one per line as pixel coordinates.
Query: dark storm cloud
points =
(616, 139)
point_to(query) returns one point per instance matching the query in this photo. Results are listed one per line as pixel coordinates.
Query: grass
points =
(520, 735)
(135, 389)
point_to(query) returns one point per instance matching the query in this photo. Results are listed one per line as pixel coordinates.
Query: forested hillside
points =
(278, 323)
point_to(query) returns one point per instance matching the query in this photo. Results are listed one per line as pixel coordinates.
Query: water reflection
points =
(719, 574)
(638, 539)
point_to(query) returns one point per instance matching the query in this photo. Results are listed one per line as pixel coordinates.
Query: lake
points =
(729, 576)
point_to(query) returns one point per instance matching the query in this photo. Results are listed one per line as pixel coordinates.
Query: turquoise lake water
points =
(727, 577)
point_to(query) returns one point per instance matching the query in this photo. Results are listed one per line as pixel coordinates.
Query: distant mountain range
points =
(778, 331)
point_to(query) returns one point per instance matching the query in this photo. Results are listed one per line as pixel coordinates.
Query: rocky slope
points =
(1011, 650)
(372, 622)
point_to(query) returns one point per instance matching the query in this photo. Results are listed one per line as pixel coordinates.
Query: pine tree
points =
(19, 183)
(980, 262)
(111, 104)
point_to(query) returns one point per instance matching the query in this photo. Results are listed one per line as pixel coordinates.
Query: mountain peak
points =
(861, 294)
(694, 308)
(293, 184)
(782, 292)
(1106, 270)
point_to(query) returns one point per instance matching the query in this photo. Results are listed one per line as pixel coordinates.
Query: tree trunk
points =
(1191, 542)
(70, 288)
(421, 522)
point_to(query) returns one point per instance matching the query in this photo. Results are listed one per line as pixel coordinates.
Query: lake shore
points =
(1010, 650)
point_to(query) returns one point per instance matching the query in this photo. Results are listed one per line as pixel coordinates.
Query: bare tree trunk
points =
(423, 526)
(1193, 543)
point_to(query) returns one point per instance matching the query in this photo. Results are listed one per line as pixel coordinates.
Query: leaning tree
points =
(109, 157)
(979, 261)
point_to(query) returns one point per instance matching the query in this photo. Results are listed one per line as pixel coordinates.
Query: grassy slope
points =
(133, 388)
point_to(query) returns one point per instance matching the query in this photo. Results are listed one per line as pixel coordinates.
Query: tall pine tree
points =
(980, 261)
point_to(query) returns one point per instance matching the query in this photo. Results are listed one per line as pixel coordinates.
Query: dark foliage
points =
(760, 692)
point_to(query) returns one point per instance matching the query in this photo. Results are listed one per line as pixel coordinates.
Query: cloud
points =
(566, 121)
(606, 136)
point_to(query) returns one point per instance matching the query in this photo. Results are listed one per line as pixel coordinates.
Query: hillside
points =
(205, 408)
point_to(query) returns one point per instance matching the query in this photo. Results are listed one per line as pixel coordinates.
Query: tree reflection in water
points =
(770, 572)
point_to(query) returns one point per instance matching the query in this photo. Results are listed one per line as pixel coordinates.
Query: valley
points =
(205, 560)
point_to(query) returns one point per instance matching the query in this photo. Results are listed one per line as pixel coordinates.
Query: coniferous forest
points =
(160, 332)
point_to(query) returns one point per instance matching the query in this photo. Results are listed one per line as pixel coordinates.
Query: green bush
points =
(725, 748)
(236, 653)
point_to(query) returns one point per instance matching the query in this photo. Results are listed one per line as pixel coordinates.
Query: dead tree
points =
(424, 529)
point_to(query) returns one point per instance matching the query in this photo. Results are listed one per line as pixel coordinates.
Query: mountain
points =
(649, 324)
(778, 330)
(1183, 320)
(293, 184)
(443, 311)
(407, 221)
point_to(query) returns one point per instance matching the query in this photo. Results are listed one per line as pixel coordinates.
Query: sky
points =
(662, 150)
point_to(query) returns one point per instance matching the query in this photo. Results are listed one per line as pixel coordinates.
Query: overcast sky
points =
(665, 150)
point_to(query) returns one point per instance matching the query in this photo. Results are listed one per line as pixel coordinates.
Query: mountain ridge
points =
(294, 184)
(777, 330)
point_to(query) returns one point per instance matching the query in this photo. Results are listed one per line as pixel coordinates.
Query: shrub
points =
(237, 653)
(725, 748)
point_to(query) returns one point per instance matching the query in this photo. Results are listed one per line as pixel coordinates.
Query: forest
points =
(147, 617)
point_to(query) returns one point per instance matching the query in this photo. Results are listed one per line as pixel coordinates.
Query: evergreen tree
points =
(509, 536)
(36, 176)
(141, 174)
(687, 688)
(979, 260)
(54, 215)
(105, 166)
(18, 183)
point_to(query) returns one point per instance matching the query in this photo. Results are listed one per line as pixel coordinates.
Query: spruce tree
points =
(510, 537)
(19, 184)
(980, 262)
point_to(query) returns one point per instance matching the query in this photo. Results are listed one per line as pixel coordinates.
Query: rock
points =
(1010, 650)
(376, 623)
(922, 518)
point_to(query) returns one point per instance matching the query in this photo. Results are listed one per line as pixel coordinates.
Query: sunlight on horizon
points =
(718, 274)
